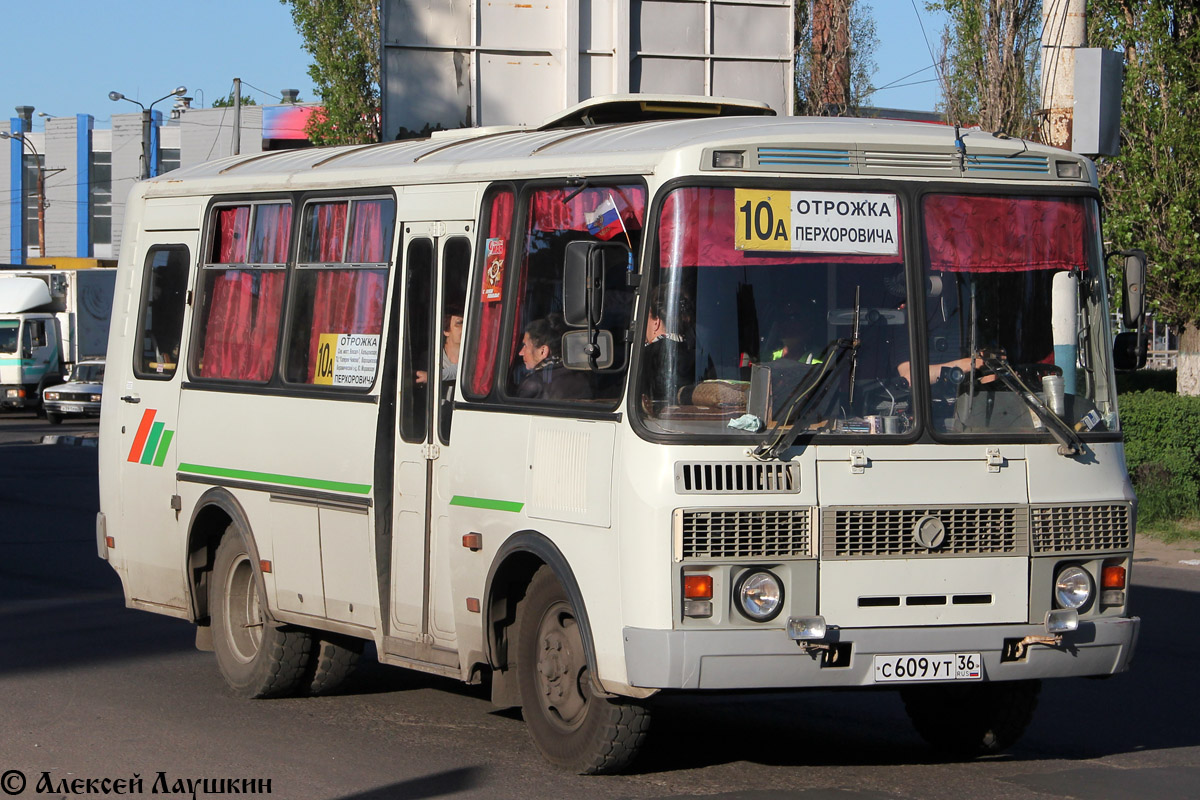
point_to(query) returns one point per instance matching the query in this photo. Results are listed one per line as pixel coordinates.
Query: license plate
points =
(928, 667)
(71, 408)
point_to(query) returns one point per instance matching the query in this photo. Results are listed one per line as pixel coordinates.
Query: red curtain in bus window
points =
(483, 369)
(366, 235)
(242, 329)
(1004, 234)
(346, 301)
(328, 233)
(696, 230)
(232, 232)
(272, 234)
(586, 211)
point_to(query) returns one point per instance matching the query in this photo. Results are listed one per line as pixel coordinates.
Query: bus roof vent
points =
(625, 108)
(804, 159)
(935, 162)
(1023, 163)
(736, 477)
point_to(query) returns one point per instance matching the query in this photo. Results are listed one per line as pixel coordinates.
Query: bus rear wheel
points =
(573, 726)
(969, 720)
(333, 660)
(257, 658)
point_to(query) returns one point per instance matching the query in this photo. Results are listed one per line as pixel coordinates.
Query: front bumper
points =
(71, 407)
(768, 659)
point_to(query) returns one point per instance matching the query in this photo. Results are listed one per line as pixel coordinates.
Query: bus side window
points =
(241, 292)
(160, 316)
(415, 366)
(338, 297)
(456, 263)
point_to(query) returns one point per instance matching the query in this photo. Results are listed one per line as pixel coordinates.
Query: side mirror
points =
(585, 265)
(1129, 350)
(577, 350)
(1134, 299)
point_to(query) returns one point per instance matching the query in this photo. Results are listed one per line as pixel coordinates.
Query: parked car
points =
(79, 396)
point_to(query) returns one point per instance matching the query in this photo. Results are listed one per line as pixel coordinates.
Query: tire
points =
(971, 720)
(332, 661)
(572, 726)
(257, 658)
(54, 419)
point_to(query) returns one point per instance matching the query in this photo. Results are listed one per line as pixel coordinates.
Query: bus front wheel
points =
(257, 658)
(968, 720)
(573, 726)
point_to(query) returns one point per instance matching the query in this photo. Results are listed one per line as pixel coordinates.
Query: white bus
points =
(717, 401)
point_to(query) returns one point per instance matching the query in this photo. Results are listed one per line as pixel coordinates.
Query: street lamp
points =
(41, 188)
(115, 96)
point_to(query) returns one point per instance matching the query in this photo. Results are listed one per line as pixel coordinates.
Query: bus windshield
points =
(1015, 313)
(772, 309)
(776, 308)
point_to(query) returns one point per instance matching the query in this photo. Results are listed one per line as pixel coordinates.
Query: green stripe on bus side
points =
(152, 442)
(271, 477)
(484, 502)
(161, 456)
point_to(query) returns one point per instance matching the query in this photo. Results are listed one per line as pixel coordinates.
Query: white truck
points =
(49, 319)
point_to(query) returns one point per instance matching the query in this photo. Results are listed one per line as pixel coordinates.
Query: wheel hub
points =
(562, 669)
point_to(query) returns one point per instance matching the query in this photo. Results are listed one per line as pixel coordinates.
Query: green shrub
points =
(1162, 449)
(1146, 380)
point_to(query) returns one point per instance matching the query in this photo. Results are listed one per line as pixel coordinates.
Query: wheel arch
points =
(214, 512)
(513, 566)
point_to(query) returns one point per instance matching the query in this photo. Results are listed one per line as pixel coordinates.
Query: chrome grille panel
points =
(736, 477)
(1080, 527)
(888, 531)
(718, 533)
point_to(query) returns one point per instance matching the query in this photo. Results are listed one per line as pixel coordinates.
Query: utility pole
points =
(1064, 30)
(237, 116)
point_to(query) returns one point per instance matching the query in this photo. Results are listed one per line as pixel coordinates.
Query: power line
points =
(929, 47)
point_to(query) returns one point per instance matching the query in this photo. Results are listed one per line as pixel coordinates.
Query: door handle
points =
(132, 398)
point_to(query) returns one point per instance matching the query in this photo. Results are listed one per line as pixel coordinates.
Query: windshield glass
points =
(88, 373)
(770, 308)
(1013, 286)
(8, 336)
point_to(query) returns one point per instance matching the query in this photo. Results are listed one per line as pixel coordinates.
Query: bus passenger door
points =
(148, 536)
(426, 388)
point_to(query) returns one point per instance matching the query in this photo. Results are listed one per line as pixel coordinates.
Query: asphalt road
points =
(92, 690)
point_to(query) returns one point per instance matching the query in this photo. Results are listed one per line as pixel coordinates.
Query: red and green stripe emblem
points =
(151, 442)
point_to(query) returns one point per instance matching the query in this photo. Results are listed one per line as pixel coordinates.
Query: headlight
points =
(1073, 588)
(51, 395)
(759, 595)
(95, 398)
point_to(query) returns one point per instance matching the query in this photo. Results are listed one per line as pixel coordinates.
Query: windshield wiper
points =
(807, 393)
(1069, 444)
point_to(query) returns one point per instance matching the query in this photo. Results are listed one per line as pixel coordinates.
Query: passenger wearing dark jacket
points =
(548, 378)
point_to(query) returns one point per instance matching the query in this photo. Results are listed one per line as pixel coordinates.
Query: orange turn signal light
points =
(698, 587)
(1113, 577)
(265, 566)
(110, 542)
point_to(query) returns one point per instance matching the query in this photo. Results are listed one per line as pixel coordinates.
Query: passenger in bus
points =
(452, 326)
(549, 378)
(669, 353)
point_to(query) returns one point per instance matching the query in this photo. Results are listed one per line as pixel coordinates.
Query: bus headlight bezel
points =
(758, 595)
(1073, 587)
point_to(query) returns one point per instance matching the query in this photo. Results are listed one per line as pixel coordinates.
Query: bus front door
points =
(436, 262)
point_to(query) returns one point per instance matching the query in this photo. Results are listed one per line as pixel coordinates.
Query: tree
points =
(1152, 189)
(342, 36)
(989, 56)
(835, 43)
(227, 101)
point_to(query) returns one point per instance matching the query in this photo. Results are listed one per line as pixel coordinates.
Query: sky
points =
(63, 57)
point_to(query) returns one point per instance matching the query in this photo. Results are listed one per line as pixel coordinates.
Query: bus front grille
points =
(1075, 528)
(719, 533)
(923, 532)
(736, 477)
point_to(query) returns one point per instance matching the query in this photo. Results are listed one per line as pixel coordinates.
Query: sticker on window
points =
(493, 274)
(346, 359)
(816, 222)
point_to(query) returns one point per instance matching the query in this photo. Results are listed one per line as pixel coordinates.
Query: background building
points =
(88, 172)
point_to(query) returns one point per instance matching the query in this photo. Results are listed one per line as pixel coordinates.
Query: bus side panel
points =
(289, 460)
